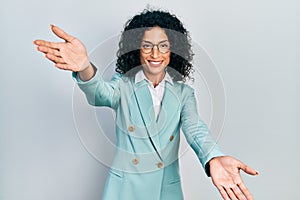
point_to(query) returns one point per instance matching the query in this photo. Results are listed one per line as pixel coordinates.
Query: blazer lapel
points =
(168, 110)
(144, 101)
(169, 107)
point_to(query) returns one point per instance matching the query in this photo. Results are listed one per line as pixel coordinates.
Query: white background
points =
(255, 45)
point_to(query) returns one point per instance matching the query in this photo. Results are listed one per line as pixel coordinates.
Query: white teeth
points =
(155, 62)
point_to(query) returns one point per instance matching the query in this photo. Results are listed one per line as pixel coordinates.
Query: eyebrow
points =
(152, 43)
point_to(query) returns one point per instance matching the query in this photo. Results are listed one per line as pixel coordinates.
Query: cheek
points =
(167, 59)
(142, 58)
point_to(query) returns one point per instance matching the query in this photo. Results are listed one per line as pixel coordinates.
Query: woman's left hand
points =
(225, 174)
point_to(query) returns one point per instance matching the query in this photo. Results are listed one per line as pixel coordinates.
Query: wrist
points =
(214, 159)
(87, 73)
(85, 66)
(211, 163)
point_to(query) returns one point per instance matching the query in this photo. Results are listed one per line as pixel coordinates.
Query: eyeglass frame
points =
(153, 45)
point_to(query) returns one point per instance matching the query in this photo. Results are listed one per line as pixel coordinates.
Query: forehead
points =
(155, 34)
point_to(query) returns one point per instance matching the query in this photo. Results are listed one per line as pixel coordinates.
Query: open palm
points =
(225, 174)
(69, 55)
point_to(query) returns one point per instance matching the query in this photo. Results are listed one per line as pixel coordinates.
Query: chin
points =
(156, 69)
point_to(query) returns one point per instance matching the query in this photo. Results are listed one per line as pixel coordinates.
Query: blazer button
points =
(160, 165)
(131, 128)
(135, 161)
(171, 137)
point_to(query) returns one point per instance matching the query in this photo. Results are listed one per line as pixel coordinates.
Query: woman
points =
(152, 103)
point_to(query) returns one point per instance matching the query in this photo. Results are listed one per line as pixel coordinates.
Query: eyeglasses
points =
(163, 47)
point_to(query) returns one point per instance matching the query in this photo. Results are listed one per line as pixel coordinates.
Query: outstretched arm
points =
(225, 174)
(71, 55)
(68, 55)
(224, 170)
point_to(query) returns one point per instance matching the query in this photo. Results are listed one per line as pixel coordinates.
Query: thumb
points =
(248, 169)
(62, 34)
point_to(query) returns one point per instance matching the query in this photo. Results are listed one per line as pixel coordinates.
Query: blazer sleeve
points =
(196, 131)
(98, 92)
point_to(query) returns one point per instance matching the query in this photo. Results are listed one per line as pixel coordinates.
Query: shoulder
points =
(183, 91)
(116, 76)
(119, 79)
(183, 87)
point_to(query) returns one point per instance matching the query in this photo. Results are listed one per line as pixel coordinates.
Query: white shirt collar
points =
(139, 76)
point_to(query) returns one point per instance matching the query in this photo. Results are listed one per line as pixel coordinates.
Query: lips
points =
(155, 63)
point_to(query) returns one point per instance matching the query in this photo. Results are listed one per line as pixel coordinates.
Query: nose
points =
(154, 52)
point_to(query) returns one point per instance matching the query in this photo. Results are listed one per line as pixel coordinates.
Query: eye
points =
(164, 45)
(146, 46)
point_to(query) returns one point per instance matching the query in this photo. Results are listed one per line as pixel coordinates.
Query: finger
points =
(53, 45)
(248, 169)
(245, 191)
(48, 50)
(64, 66)
(55, 59)
(62, 34)
(223, 193)
(238, 193)
(230, 193)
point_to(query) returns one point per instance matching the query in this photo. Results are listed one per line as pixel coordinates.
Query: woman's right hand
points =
(69, 55)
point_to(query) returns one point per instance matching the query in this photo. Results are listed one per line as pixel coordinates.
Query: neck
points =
(155, 79)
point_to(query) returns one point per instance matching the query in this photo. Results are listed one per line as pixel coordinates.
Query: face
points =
(155, 60)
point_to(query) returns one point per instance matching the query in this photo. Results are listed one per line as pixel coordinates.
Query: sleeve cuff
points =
(76, 78)
(207, 169)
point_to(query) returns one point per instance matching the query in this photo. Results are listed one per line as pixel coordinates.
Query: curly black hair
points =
(128, 55)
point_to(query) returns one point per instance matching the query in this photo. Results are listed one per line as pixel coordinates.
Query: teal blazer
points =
(145, 165)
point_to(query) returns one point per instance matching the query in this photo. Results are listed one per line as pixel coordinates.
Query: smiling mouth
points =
(155, 63)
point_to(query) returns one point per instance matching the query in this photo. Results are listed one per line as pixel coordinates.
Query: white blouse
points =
(157, 92)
